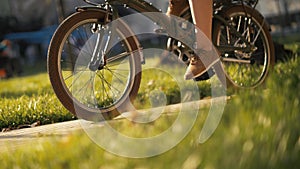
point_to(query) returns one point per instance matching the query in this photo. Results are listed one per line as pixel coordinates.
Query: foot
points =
(205, 76)
(200, 64)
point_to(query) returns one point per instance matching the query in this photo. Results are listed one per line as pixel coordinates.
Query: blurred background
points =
(29, 25)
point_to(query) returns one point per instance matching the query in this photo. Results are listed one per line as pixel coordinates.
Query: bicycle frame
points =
(142, 6)
(100, 36)
(139, 5)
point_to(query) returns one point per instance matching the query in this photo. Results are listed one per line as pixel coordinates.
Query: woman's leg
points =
(202, 11)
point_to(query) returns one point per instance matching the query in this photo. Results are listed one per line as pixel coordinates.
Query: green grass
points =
(295, 47)
(259, 129)
(27, 100)
(289, 38)
(166, 79)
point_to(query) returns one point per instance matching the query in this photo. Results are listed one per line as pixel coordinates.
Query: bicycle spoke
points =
(80, 49)
(84, 87)
(104, 91)
(115, 72)
(105, 84)
(115, 75)
(243, 67)
(93, 89)
(110, 86)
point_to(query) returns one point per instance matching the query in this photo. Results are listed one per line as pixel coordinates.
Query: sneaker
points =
(205, 76)
(200, 64)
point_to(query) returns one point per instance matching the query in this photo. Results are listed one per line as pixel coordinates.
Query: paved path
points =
(22, 137)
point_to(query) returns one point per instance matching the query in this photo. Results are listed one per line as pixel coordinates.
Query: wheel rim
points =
(103, 89)
(245, 69)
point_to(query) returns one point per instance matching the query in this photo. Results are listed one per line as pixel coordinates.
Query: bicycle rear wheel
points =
(99, 92)
(244, 69)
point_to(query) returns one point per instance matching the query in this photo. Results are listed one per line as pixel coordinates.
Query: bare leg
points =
(202, 11)
(202, 16)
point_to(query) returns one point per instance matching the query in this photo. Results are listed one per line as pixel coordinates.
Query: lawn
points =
(27, 100)
(30, 99)
(259, 129)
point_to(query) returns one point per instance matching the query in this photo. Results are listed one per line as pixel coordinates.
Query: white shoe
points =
(200, 64)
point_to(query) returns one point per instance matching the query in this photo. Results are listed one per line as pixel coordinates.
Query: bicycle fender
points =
(222, 13)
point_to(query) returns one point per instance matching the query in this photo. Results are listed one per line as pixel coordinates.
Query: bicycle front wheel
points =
(94, 68)
(244, 68)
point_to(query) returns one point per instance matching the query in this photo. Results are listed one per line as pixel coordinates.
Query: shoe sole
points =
(205, 70)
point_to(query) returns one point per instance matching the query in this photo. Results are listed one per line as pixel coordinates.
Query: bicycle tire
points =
(264, 42)
(63, 91)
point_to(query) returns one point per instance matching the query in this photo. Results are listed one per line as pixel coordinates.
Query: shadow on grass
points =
(38, 67)
(33, 82)
(29, 93)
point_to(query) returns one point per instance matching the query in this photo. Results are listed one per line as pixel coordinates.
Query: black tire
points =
(95, 99)
(258, 62)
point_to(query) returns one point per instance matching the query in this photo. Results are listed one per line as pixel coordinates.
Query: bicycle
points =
(240, 33)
